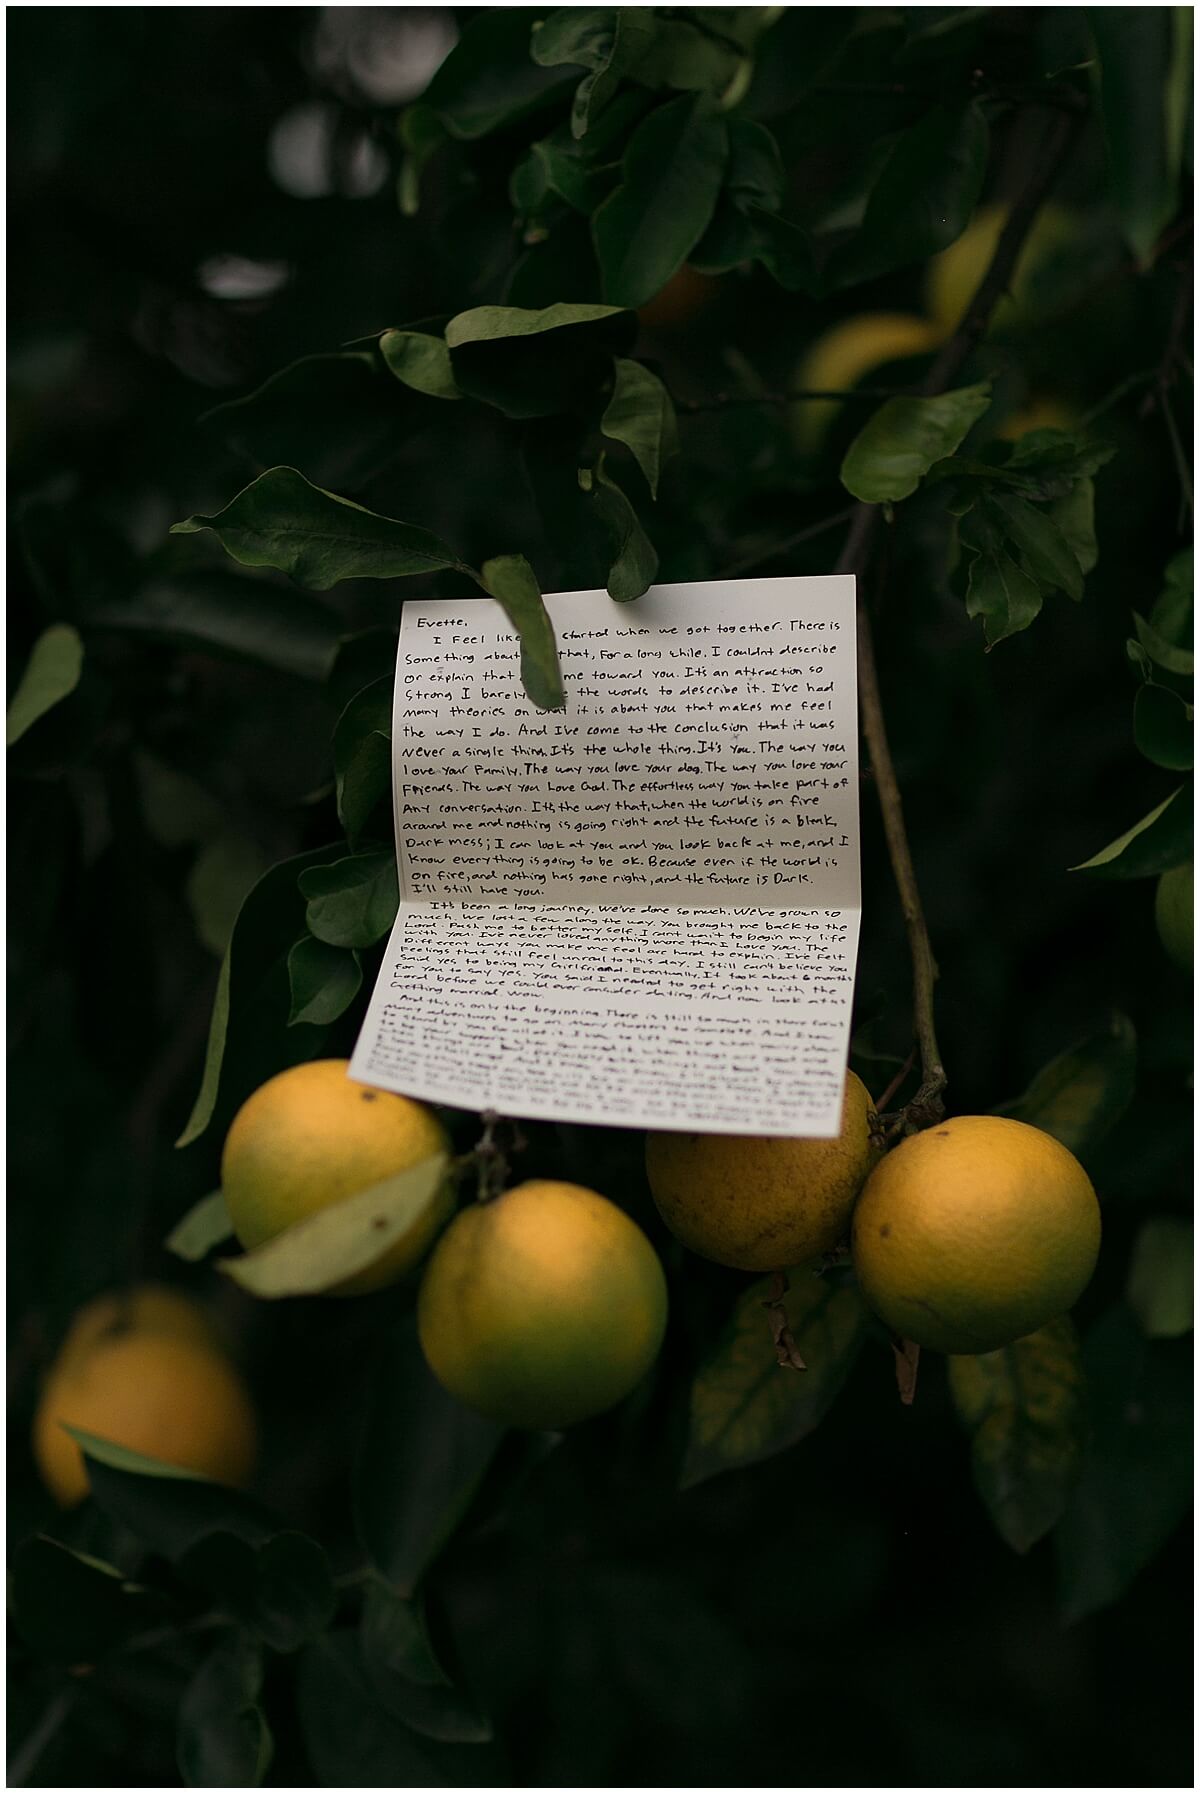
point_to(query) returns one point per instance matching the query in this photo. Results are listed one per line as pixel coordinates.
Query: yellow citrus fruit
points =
(687, 292)
(542, 1307)
(763, 1204)
(145, 1308)
(975, 1233)
(158, 1390)
(311, 1137)
(954, 276)
(845, 355)
(1173, 914)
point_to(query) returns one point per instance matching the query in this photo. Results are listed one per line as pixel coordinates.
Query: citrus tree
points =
(316, 311)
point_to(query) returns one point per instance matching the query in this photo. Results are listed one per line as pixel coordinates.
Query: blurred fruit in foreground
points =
(143, 1370)
(311, 1137)
(975, 1233)
(762, 1204)
(844, 356)
(543, 1306)
(686, 293)
(1173, 914)
(954, 276)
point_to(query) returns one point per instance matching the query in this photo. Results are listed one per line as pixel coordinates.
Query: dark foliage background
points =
(198, 198)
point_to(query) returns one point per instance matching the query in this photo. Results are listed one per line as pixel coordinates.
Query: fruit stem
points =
(927, 1106)
(786, 1350)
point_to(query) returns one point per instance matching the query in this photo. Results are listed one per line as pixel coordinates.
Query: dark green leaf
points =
(634, 560)
(204, 1226)
(1082, 1093)
(324, 1249)
(1074, 515)
(253, 972)
(1023, 1407)
(1046, 463)
(1041, 547)
(405, 1674)
(1159, 841)
(360, 660)
(1162, 728)
(924, 197)
(997, 589)
(72, 1608)
(745, 1405)
(324, 981)
(353, 902)
(510, 581)
(489, 80)
(362, 755)
(640, 414)
(283, 521)
(608, 41)
(420, 361)
(330, 415)
(294, 1596)
(222, 1739)
(245, 619)
(170, 1510)
(52, 674)
(755, 171)
(1171, 616)
(1161, 1286)
(897, 447)
(535, 363)
(580, 35)
(670, 178)
(1140, 51)
(684, 55)
(1137, 1478)
(422, 1459)
(223, 874)
(352, 1740)
(1162, 652)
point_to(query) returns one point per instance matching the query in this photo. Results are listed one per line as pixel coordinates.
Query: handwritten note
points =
(642, 909)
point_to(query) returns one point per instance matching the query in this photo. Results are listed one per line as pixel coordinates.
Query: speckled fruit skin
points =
(542, 1307)
(975, 1233)
(311, 1137)
(762, 1204)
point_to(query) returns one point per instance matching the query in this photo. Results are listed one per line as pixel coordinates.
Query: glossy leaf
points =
(405, 1674)
(744, 1405)
(316, 1254)
(222, 1739)
(1158, 842)
(204, 1226)
(420, 361)
(253, 971)
(1136, 1486)
(323, 980)
(421, 1461)
(510, 580)
(670, 178)
(924, 197)
(51, 674)
(1161, 1278)
(1163, 728)
(283, 521)
(634, 560)
(640, 414)
(1144, 134)
(1023, 1407)
(1082, 1093)
(353, 902)
(897, 447)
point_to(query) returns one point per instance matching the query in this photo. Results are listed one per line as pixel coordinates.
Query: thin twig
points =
(927, 1106)
(769, 553)
(720, 401)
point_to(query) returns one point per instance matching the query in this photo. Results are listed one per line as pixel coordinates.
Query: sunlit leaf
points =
(745, 1406)
(1023, 1407)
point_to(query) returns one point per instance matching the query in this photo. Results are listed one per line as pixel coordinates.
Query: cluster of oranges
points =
(547, 1304)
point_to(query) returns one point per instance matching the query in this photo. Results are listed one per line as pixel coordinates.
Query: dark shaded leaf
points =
(1042, 549)
(1171, 617)
(1158, 842)
(745, 1406)
(924, 197)
(245, 619)
(421, 1461)
(634, 559)
(998, 591)
(897, 447)
(1142, 53)
(1136, 1485)
(1074, 515)
(535, 363)
(52, 673)
(640, 414)
(1082, 1093)
(222, 1739)
(324, 981)
(351, 1739)
(1162, 652)
(204, 1226)
(489, 79)
(330, 415)
(510, 580)
(405, 1674)
(72, 1608)
(1163, 728)
(294, 1596)
(1023, 1407)
(170, 1510)
(670, 178)
(283, 521)
(353, 902)
(362, 755)
(1161, 1278)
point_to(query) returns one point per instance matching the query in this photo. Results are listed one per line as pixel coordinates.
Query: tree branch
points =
(927, 1106)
